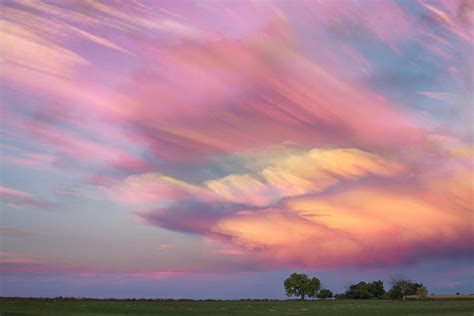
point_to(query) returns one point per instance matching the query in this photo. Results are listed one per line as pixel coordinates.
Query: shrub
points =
(324, 294)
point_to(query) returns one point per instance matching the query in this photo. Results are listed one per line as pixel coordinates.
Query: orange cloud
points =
(243, 189)
(287, 176)
(320, 168)
(353, 227)
(301, 173)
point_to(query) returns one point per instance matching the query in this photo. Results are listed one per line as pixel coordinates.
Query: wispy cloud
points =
(288, 133)
(13, 232)
(19, 199)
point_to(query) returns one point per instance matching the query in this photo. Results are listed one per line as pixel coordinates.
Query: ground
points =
(65, 307)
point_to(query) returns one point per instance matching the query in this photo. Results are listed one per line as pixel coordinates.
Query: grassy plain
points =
(69, 307)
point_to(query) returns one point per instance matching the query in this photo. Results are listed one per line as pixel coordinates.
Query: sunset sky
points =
(207, 149)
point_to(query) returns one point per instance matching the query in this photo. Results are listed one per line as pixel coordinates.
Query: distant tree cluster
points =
(363, 290)
(402, 286)
(300, 285)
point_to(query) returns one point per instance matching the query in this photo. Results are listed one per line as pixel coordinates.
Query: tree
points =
(363, 290)
(401, 286)
(324, 294)
(376, 288)
(299, 285)
(422, 292)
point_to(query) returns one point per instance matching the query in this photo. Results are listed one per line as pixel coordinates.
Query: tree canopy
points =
(422, 292)
(300, 285)
(402, 286)
(324, 294)
(363, 290)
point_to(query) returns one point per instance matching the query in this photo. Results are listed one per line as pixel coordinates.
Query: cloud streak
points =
(288, 213)
(20, 199)
(308, 134)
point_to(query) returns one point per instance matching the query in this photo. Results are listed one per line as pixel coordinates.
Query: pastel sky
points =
(210, 148)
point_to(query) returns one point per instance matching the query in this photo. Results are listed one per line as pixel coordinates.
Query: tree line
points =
(301, 286)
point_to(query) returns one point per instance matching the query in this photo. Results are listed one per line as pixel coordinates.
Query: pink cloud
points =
(175, 98)
(21, 199)
(16, 156)
(76, 147)
(228, 71)
(166, 246)
(389, 16)
(13, 232)
(229, 252)
(443, 96)
(291, 174)
(13, 263)
(10, 258)
(392, 221)
(154, 188)
(200, 83)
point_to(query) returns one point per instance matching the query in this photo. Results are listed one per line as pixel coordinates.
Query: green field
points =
(67, 307)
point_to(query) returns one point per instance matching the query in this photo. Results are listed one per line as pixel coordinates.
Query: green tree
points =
(376, 289)
(324, 294)
(359, 290)
(395, 294)
(299, 285)
(363, 290)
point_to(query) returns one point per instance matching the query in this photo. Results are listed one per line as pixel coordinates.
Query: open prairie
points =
(66, 307)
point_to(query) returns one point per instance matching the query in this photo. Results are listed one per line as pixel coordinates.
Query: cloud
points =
(164, 247)
(243, 189)
(142, 99)
(309, 107)
(297, 174)
(154, 188)
(442, 96)
(333, 207)
(15, 264)
(16, 156)
(13, 232)
(229, 252)
(321, 168)
(7, 258)
(195, 217)
(262, 84)
(290, 175)
(20, 199)
(360, 227)
(256, 91)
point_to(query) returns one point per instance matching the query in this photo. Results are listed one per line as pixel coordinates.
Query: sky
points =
(207, 149)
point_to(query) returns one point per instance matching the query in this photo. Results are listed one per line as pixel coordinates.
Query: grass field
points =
(65, 307)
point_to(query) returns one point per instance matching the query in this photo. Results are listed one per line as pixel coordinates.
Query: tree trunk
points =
(302, 297)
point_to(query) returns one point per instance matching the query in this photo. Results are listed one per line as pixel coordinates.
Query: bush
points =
(324, 294)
